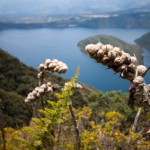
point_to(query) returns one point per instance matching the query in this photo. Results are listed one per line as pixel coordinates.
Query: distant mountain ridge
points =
(64, 7)
(70, 13)
(131, 20)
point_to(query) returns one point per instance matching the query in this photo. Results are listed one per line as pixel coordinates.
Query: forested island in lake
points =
(144, 41)
(107, 39)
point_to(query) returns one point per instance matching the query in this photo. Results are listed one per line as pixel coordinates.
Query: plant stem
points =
(2, 126)
(133, 129)
(3, 139)
(76, 126)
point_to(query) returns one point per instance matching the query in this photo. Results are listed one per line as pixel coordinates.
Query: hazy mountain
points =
(58, 7)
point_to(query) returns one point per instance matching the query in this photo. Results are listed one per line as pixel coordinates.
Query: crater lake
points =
(33, 46)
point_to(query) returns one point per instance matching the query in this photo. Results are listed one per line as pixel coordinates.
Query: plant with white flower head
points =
(125, 64)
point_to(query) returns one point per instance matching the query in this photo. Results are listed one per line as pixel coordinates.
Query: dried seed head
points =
(38, 95)
(34, 93)
(91, 49)
(134, 60)
(41, 91)
(138, 80)
(118, 61)
(112, 54)
(122, 67)
(127, 75)
(105, 49)
(122, 62)
(105, 60)
(75, 85)
(99, 45)
(60, 63)
(110, 64)
(63, 68)
(30, 94)
(148, 87)
(60, 70)
(47, 62)
(130, 76)
(26, 100)
(132, 68)
(126, 58)
(41, 67)
(30, 97)
(117, 50)
(78, 86)
(49, 84)
(141, 70)
(56, 69)
(49, 89)
(37, 89)
(40, 75)
(55, 60)
(109, 47)
(52, 65)
(100, 53)
(43, 86)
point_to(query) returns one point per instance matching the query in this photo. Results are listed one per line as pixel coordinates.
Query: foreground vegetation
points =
(60, 126)
(70, 118)
(17, 80)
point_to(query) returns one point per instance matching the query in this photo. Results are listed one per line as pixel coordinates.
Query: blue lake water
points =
(33, 46)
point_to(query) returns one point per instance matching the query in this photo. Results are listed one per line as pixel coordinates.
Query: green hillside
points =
(107, 39)
(17, 80)
(15, 113)
(144, 41)
(17, 77)
(14, 75)
(85, 112)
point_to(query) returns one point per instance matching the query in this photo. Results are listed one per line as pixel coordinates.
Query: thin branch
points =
(59, 133)
(2, 126)
(133, 129)
(42, 102)
(76, 126)
(134, 126)
(3, 138)
(145, 72)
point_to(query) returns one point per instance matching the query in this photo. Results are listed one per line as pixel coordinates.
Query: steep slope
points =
(14, 75)
(17, 79)
(13, 111)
